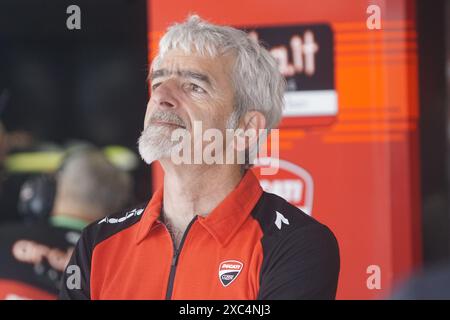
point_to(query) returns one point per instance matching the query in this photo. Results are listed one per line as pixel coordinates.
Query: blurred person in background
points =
(86, 187)
(432, 283)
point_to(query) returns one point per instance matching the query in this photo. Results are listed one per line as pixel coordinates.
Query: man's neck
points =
(195, 190)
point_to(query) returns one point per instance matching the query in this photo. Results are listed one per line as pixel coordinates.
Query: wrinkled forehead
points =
(206, 68)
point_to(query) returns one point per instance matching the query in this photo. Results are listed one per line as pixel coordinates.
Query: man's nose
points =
(164, 94)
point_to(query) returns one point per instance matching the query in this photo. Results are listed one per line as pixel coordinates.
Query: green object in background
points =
(68, 222)
(49, 161)
(33, 162)
(121, 157)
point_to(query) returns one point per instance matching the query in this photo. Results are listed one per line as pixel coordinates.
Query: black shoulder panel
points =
(300, 255)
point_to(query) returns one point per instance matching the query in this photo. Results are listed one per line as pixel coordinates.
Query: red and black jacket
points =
(253, 245)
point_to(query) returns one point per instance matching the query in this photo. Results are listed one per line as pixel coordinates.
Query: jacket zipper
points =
(176, 254)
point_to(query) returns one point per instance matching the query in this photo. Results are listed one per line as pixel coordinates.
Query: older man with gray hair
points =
(210, 232)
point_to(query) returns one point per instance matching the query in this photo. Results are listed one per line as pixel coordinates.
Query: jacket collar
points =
(223, 222)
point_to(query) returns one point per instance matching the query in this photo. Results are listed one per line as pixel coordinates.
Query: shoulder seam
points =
(99, 227)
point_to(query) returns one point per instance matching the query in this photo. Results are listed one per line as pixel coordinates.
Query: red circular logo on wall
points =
(291, 182)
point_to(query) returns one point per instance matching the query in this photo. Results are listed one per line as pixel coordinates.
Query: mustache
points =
(167, 117)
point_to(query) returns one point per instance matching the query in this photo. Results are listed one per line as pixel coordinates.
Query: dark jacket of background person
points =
(33, 257)
(430, 284)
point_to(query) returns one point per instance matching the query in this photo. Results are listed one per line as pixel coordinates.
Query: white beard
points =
(155, 143)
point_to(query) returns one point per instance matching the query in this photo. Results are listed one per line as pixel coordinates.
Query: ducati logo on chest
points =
(229, 271)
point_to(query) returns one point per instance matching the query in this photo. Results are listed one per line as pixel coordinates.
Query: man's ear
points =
(251, 124)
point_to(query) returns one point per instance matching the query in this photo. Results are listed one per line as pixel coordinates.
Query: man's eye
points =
(156, 85)
(196, 88)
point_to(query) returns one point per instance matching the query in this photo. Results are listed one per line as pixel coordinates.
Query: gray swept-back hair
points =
(258, 84)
